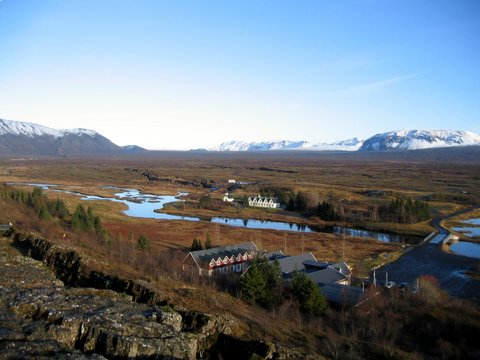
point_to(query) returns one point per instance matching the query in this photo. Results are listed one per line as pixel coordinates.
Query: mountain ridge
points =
(25, 138)
(388, 141)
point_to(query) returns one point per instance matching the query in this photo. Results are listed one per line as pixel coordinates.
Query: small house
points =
(227, 198)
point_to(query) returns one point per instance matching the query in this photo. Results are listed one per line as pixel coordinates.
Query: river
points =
(144, 205)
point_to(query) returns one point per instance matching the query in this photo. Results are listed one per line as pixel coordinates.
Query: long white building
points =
(264, 202)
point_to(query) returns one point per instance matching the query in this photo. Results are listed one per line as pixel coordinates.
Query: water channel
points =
(468, 248)
(142, 205)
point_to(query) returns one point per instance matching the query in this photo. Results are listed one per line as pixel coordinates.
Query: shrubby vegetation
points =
(207, 202)
(46, 209)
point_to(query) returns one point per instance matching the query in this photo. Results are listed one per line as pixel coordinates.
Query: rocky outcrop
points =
(65, 264)
(99, 315)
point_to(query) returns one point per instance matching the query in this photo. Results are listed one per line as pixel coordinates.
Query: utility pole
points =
(374, 279)
(217, 233)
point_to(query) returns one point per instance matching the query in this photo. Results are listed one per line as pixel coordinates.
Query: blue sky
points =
(189, 74)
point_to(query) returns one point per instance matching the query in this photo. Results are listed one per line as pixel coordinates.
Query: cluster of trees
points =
(404, 211)
(300, 202)
(326, 211)
(398, 210)
(86, 220)
(38, 200)
(263, 285)
(283, 194)
(197, 244)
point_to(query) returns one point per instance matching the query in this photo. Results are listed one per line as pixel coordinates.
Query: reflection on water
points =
(262, 224)
(141, 205)
(376, 235)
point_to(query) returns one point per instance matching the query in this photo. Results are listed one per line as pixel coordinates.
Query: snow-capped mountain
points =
(345, 145)
(24, 138)
(342, 145)
(419, 139)
(259, 146)
(393, 140)
(31, 130)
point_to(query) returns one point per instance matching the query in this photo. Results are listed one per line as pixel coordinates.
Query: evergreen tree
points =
(300, 202)
(44, 214)
(58, 208)
(308, 294)
(325, 211)
(143, 243)
(196, 245)
(97, 224)
(79, 218)
(253, 285)
(261, 284)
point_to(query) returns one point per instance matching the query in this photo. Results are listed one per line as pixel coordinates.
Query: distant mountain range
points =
(346, 145)
(23, 138)
(389, 141)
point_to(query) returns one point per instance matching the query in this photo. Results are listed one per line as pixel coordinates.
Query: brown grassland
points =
(448, 184)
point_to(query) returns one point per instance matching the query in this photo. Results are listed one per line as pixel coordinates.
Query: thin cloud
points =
(365, 89)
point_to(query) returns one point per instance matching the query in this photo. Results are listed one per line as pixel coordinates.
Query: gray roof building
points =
(328, 275)
(289, 264)
(342, 267)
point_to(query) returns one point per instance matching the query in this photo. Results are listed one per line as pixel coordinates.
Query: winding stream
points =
(143, 205)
